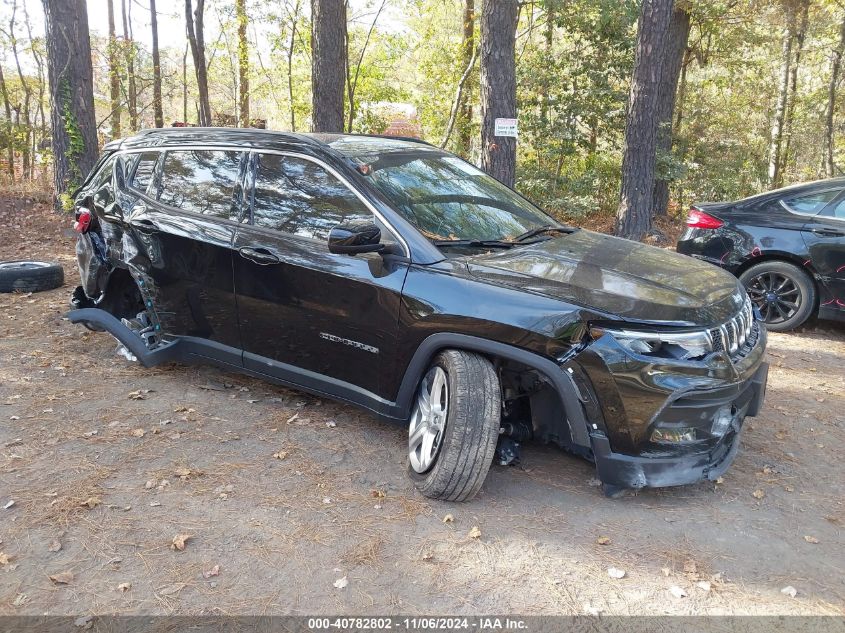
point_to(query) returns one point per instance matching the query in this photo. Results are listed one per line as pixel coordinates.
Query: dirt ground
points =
(278, 495)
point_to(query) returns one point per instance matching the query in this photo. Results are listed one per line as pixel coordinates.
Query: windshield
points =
(447, 199)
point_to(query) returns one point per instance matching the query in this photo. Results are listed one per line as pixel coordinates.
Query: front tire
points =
(785, 294)
(454, 426)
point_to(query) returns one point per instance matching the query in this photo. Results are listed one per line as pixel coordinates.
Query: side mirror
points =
(355, 237)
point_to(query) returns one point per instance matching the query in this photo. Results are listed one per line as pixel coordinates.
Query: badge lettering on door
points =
(346, 341)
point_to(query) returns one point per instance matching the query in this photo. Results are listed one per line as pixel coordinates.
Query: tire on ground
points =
(803, 282)
(472, 428)
(30, 276)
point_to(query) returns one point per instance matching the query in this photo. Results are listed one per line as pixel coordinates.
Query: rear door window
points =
(201, 181)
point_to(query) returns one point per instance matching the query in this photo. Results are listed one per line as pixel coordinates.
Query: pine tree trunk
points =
(835, 68)
(129, 54)
(114, 74)
(676, 46)
(243, 63)
(498, 86)
(196, 37)
(633, 219)
(329, 64)
(71, 94)
(158, 115)
(465, 105)
(39, 64)
(291, 42)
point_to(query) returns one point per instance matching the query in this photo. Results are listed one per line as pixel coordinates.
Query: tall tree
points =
(352, 78)
(830, 108)
(114, 74)
(129, 52)
(71, 94)
(158, 115)
(194, 20)
(294, 18)
(26, 128)
(39, 65)
(329, 64)
(243, 63)
(789, 119)
(676, 46)
(784, 74)
(468, 55)
(633, 218)
(498, 86)
(7, 124)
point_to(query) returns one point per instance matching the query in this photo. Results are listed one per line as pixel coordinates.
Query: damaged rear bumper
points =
(627, 471)
(163, 352)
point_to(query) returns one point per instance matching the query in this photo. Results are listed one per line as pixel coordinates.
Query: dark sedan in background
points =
(786, 246)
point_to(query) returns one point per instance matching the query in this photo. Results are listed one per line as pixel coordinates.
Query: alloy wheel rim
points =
(776, 295)
(428, 420)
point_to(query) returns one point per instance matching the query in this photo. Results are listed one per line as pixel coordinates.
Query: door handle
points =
(258, 255)
(828, 232)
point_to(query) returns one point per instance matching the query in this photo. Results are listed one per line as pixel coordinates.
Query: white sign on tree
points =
(506, 127)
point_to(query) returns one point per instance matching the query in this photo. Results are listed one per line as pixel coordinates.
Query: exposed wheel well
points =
(122, 298)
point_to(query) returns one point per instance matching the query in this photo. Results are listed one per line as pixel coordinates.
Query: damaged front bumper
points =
(702, 405)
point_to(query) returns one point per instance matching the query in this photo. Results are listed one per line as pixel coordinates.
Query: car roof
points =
(800, 187)
(348, 144)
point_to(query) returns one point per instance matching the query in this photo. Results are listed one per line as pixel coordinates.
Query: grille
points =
(738, 335)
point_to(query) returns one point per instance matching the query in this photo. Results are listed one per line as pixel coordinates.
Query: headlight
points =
(677, 345)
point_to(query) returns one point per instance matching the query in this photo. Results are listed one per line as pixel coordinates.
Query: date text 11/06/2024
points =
(419, 623)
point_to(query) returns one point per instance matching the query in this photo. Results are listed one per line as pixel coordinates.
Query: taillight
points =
(700, 220)
(83, 221)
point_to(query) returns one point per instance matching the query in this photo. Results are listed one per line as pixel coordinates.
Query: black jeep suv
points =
(395, 276)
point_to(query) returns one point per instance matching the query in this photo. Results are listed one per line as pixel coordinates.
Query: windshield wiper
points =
(475, 243)
(539, 231)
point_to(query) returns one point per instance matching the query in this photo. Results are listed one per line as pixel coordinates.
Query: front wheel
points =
(785, 294)
(454, 426)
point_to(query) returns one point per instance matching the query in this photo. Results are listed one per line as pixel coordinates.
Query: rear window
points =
(810, 203)
(201, 181)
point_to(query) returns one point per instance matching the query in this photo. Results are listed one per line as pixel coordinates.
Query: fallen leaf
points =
(790, 591)
(690, 567)
(140, 394)
(666, 571)
(378, 494)
(475, 532)
(811, 539)
(703, 585)
(340, 583)
(20, 600)
(91, 502)
(428, 556)
(614, 572)
(758, 494)
(180, 540)
(448, 519)
(4, 558)
(603, 540)
(169, 590)
(54, 546)
(138, 433)
(280, 455)
(214, 571)
(331, 424)
(677, 591)
(62, 578)
(124, 586)
(183, 473)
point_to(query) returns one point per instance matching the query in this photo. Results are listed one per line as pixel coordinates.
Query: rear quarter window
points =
(142, 175)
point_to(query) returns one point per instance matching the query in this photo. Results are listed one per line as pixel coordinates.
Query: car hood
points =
(619, 277)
